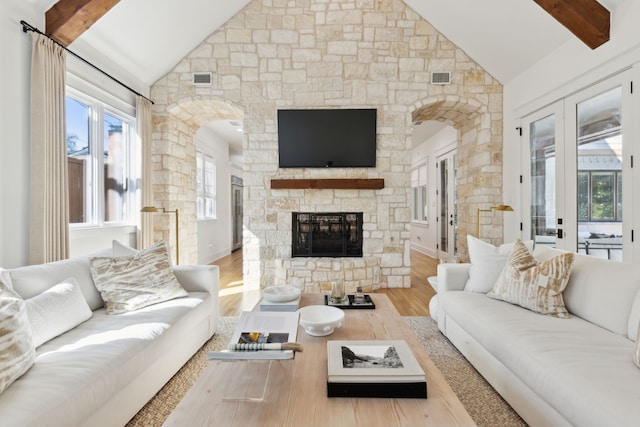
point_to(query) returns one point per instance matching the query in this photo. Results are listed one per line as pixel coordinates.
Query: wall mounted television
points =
(327, 138)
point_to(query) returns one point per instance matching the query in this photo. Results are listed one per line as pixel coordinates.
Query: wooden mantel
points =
(336, 184)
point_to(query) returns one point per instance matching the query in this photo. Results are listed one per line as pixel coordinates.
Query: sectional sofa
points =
(575, 371)
(102, 371)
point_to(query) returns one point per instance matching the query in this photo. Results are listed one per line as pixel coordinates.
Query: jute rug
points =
(485, 406)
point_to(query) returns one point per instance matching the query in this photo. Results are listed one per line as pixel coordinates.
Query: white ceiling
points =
(146, 38)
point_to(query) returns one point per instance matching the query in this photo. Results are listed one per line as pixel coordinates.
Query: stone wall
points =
(327, 54)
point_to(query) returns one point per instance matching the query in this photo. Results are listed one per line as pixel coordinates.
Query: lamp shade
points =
(150, 209)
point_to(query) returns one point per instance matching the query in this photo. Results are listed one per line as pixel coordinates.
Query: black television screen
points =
(327, 138)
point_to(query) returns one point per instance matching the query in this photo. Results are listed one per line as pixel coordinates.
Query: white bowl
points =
(320, 320)
(280, 293)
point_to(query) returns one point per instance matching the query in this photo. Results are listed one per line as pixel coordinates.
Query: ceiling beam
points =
(586, 19)
(67, 19)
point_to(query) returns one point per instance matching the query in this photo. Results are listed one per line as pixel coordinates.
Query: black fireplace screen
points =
(336, 234)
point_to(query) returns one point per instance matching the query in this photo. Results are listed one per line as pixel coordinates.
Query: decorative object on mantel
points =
(500, 208)
(332, 183)
(151, 209)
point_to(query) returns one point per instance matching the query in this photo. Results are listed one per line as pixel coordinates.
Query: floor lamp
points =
(500, 208)
(148, 209)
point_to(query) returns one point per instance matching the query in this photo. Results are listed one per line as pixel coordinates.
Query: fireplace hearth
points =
(336, 234)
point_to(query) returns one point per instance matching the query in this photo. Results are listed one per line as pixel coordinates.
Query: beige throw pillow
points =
(17, 352)
(534, 285)
(132, 282)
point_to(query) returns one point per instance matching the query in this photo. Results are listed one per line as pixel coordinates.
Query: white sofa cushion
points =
(17, 352)
(535, 285)
(583, 370)
(100, 358)
(57, 310)
(602, 292)
(130, 283)
(487, 262)
(33, 280)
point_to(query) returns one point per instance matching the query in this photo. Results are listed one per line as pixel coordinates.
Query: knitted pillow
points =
(534, 285)
(17, 352)
(132, 282)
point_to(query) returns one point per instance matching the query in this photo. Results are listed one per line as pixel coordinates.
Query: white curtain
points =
(143, 120)
(49, 200)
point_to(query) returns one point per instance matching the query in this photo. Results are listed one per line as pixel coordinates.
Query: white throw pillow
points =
(122, 250)
(132, 282)
(17, 352)
(487, 262)
(57, 310)
(535, 285)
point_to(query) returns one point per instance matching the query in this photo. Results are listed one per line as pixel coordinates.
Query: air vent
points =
(441, 78)
(202, 79)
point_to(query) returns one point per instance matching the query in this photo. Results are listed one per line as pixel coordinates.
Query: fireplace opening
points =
(336, 234)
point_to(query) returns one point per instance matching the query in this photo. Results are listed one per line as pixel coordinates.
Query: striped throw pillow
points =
(534, 285)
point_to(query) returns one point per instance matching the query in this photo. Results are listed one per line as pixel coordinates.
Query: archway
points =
(479, 160)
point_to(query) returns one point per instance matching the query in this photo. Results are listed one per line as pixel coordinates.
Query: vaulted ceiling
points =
(147, 38)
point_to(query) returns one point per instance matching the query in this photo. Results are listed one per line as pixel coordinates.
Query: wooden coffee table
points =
(295, 391)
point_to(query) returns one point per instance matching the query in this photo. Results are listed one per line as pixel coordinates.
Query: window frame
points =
(98, 108)
(206, 191)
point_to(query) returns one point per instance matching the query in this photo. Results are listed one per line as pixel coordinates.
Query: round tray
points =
(280, 293)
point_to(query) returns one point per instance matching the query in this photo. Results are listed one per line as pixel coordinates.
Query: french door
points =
(577, 172)
(447, 216)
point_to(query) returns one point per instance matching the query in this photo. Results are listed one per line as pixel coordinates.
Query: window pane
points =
(583, 196)
(78, 160)
(619, 201)
(115, 167)
(199, 174)
(542, 151)
(602, 190)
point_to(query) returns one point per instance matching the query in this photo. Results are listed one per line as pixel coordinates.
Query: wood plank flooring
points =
(412, 301)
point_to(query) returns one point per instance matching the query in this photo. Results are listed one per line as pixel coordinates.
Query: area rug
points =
(485, 406)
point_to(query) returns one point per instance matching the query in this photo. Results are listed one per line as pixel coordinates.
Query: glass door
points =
(596, 142)
(576, 174)
(447, 216)
(543, 131)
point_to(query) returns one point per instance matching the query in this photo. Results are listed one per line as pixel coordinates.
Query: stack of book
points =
(266, 305)
(255, 329)
(380, 368)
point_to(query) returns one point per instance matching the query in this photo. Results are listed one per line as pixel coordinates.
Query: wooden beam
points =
(67, 19)
(586, 19)
(335, 184)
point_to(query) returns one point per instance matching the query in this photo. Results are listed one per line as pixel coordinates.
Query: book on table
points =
(266, 305)
(374, 368)
(256, 328)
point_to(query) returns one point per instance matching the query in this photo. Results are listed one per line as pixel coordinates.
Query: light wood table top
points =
(295, 391)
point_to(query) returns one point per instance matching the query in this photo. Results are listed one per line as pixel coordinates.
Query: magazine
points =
(258, 329)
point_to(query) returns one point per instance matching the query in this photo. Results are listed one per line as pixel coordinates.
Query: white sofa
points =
(554, 372)
(103, 371)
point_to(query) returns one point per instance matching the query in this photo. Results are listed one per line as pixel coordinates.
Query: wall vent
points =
(202, 79)
(441, 78)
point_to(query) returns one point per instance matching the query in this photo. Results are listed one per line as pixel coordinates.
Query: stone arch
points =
(479, 162)
(174, 159)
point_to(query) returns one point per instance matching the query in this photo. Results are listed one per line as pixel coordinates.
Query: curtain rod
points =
(28, 27)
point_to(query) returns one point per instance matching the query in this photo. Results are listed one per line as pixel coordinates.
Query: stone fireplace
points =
(337, 234)
(326, 54)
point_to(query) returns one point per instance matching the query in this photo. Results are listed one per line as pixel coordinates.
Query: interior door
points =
(447, 215)
(577, 172)
(236, 212)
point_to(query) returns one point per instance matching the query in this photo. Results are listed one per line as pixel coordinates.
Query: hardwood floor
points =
(412, 301)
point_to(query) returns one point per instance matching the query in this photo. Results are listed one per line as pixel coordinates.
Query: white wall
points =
(424, 235)
(572, 67)
(214, 235)
(14, 130)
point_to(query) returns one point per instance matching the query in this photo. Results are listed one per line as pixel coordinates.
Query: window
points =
(100, 162)
(206, 186)
(419, 207)
(599, 196)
